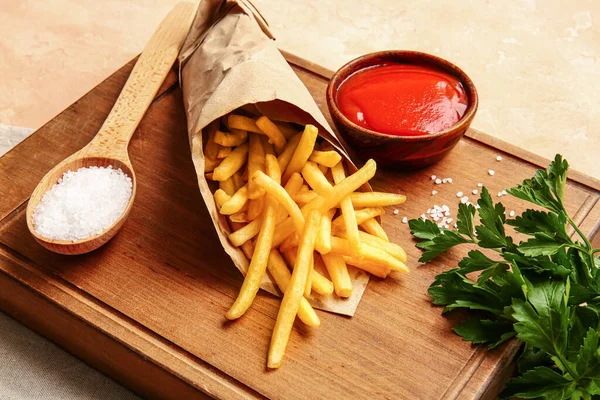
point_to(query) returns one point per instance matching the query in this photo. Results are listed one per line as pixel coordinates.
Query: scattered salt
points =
(404, 220)
(480, 184)
(459, 194)
(449, 180)
(438, 181)
(475, 191)
(434, 192)
(433, 177)
(396, 212)
(500, 194)
(83, 203)
(499, 158)
(464, 199)
(491, 172)
(512, 213)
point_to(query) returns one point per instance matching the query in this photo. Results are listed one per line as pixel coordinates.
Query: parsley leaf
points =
(438, 240)
(464, 217)
(423, 228)
(542, 244)
(485, 331)
(491, 232)
(540, 382)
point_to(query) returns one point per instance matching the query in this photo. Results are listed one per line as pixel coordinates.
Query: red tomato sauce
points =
(402, 99)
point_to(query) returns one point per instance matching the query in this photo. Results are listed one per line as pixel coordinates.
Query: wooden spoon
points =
(109, 146)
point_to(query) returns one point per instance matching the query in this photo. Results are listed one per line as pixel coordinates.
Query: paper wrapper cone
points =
(227, 62)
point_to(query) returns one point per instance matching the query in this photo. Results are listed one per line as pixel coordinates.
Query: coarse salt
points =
(396, 212)
(459, 194)
(475, 191)
(83, 203)
(449, 180)
(499, 158)
(438, 181)
(512, 213)
(480, 184)
(434, 192)
(464, 199)
(404, 220)
(491, 172)
(433, 177)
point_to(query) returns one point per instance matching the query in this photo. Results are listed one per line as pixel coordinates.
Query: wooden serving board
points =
(148, 309)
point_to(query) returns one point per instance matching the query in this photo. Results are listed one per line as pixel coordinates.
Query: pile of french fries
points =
(295, 213)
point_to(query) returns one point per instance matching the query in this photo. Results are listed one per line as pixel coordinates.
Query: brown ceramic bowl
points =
(407, 152)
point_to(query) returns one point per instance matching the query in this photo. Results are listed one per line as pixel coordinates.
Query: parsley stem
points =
(585, 239)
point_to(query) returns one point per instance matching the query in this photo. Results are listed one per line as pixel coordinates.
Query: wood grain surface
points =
(148, 308)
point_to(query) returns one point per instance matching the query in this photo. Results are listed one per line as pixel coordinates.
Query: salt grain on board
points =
(83, 203)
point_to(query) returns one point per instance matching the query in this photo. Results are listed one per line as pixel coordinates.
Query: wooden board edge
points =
(472, 133)
(152, 373)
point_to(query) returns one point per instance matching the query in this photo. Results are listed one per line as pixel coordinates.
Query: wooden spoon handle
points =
(141, 87)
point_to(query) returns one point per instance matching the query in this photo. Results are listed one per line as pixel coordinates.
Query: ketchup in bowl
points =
(402, 99)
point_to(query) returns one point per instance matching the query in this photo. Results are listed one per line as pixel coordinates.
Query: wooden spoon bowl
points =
(109, 146)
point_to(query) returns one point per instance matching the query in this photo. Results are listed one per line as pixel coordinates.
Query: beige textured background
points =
(535, 64)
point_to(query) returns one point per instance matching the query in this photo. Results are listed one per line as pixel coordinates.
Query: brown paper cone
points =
(227, 62)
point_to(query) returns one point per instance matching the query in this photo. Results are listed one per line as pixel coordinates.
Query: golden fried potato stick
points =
(316, 179)
(286, 129)
(338, 225)
(390, 247)
(281, 274)
(221, 197)
(294, 184)
(286, 156)
(260, 257)
(211, 149)
(319, 283)
(233, 139)
(368, 266)
(272, 131)
(367, 252)
(294, 292)
(323, 243)
(372, 226)
(224, 152)
(245, 233)
(228, 185)
(325, 158)
(347, 210)
(302, 152)
(338, 272)
(376, 199)
(256, 162)
(238, 182)
(240, 217)
(237, 201)
(303, 198)
(349, 185)
(243, 123)
(232, 163)
(279, 193)
(210, 165)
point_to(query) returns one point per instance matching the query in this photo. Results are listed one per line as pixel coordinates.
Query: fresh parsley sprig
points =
(544, 290)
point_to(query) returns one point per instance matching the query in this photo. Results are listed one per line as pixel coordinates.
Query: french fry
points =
(242, 123)
(241, 217)
(237, 201)
(323, 285)
(323, 243)
(293, 293)
(282, 197)
(256, 162)
(267, 146)
(338, 224)
(228, 185)
(325, 158)
(368, 266)
(209, 176)
(238, 181)
(272, 168)
(286, 129)
(349, 185)
(210, 165)
(294, 184)
(255, 208)
(376, 199)
(347, 210)
(305, 197)
(302, 152)
(273, 132)
(373, 254)
(372, 226)
(245, 233)
(320, 283)
(316, 179)
(286, 156)
(211, 149)
(248, 249)
(281, 274)
(232, 163)
(224, 152)
(282, 231)
(258, 263)
(233, 139)
(391, 248)
(221, 197)
(338, 272)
